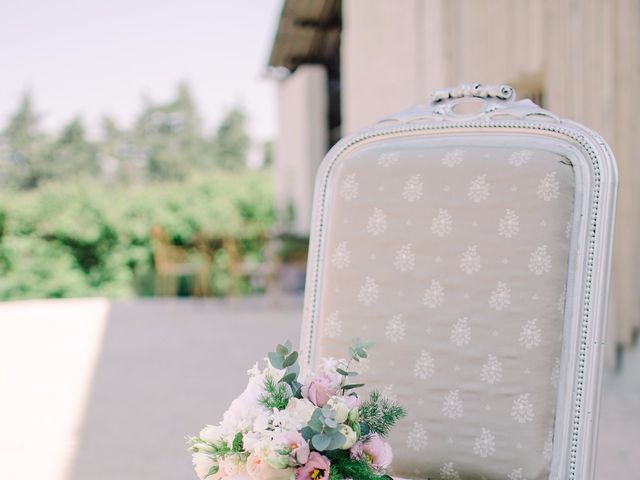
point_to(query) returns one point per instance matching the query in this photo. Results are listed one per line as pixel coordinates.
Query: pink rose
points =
(319, 389)
(316, 468)
(376, 450)
(259, 469)
(298, 445)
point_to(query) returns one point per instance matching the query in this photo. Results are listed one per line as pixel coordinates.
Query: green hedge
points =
(87, 239)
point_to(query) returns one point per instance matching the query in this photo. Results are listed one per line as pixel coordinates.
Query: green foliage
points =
(72, 240)
(379, 414)
(343, 467)
(231, 141)
(277, 394)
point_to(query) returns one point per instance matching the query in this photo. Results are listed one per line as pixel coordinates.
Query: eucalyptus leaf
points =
(320, 442)
(288, 378)
(276, 360)
(290, 360)
(353, 385)
(282, 350)
(337, 440)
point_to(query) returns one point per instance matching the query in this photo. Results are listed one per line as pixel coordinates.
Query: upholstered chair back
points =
(454, 252)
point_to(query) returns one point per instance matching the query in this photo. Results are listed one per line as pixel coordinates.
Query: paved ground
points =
(91, 390)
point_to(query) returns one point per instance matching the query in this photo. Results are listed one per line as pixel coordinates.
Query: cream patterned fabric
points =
(453, 260)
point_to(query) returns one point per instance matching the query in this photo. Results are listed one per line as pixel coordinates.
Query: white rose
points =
(301, 410)
(350, 437)
(202, 463)
(340, 408)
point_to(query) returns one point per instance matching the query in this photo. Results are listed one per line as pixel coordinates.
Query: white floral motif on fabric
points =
(405, 259)
(540, 261)
(377, 222)
(396, 329)
(509, 225)
(447, 472)
(417, 437)
(491, 371)
(562, 299)
(470, 261)
(341, 257)
(520, 157)
(412, 190)
(460, 333)
(369, 292)
(530, 335)
(424, 367)
(484, 444)
(500, 297)
(349, 187)
(452, 406)
(547, 448)
(453, 158)
(333, 326)
(388, 392)
(516, 474)
(548, 188)
(522, 409)
(387, 160)
(434, 295)
(555, 373)
(442, 224)
(479, 189)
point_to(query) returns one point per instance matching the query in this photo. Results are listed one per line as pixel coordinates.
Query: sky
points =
(95, 57)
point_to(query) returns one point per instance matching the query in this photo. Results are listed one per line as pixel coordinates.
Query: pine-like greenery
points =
(343, 467)
(380, 414)
(277, 394)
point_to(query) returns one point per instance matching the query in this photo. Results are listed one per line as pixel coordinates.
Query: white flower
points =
(548, 188)
(447, 472)
(395, 330)
(460, 333)
(340, 408)
(412, 190)
(509, 225)
(350, 437)
(540, 261)
(332, 326)
(484, 444)
(522, 409)
(442, 224)
(349, 187)
(500, 297)
(491, 371)
(212, 433)
(470, 261)
(434, 295)
(387, 160)
(520, 157)
(377, 222)
(530, 335)
(341, 257)
(453, 158)
(424, 366)
(369, 292)
(300, 410)
(452, 406)
(405, 259)
(202, 463)
(417, 437)
(479, 189)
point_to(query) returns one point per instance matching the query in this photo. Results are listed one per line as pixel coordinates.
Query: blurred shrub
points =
(83, 239)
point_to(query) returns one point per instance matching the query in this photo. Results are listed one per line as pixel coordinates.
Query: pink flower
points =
(316, 468)
(376, 450)
(298, 445)
(319, 389)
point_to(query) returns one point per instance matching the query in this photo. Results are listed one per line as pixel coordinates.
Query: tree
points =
(72, 154)
(232, 142)
(26, 147)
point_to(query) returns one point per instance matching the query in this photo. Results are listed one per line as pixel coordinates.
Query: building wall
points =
(302, 140)
(584, 57)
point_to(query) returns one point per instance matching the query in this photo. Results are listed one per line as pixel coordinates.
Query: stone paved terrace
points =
(93, 390)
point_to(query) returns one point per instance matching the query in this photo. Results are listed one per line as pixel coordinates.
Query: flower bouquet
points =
(287, 426)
